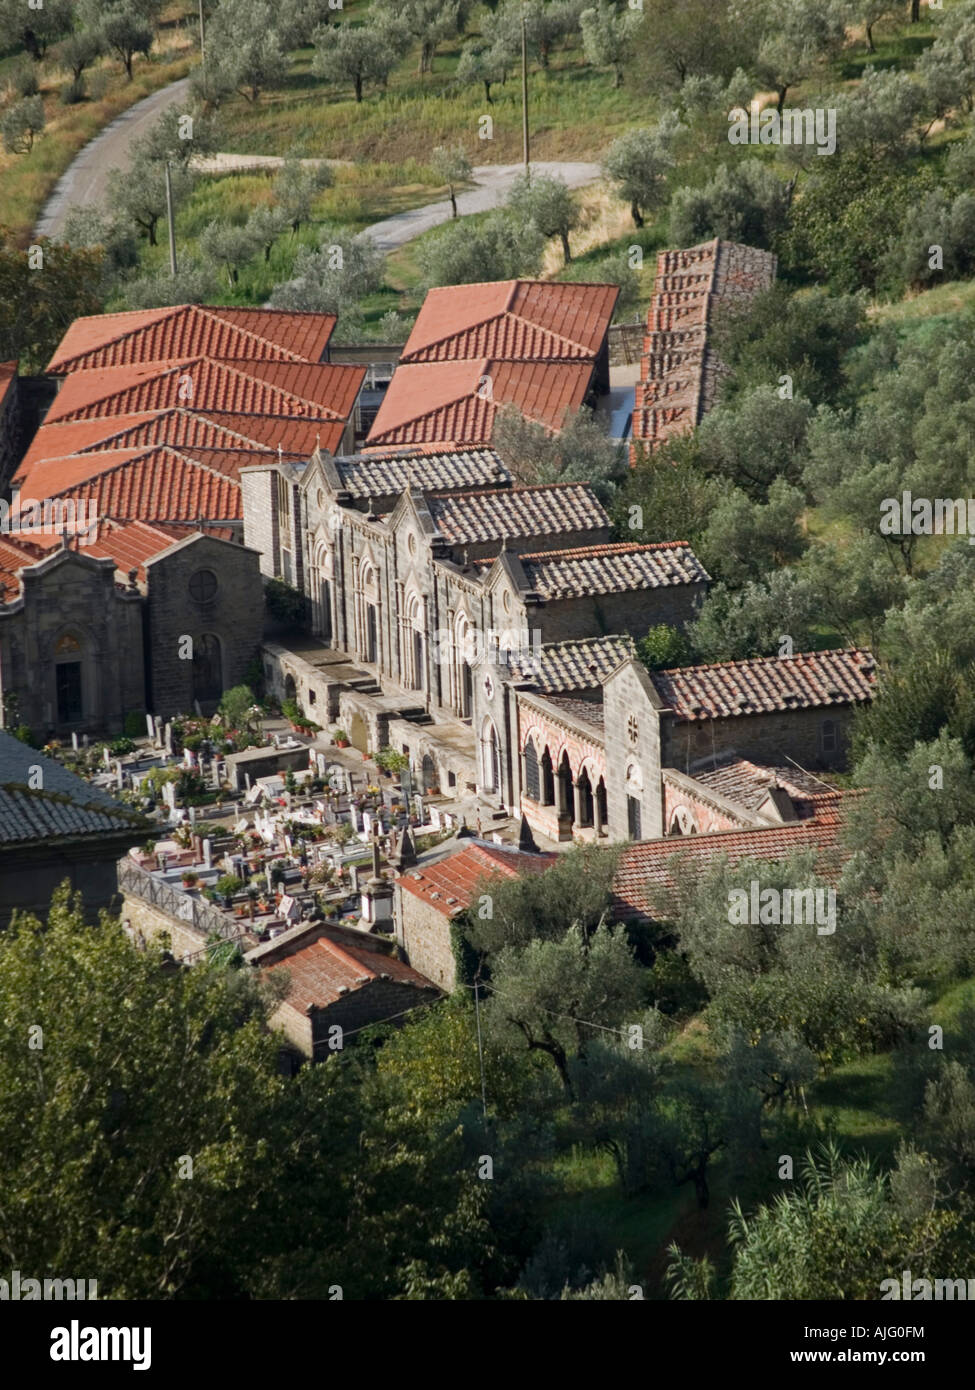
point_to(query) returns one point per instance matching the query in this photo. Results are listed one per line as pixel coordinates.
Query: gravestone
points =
(169, 795)
(207, 853)
(106, 756)
(74, 741)
(354, 877)
(150, 727)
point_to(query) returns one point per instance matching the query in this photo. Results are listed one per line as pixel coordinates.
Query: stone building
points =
(679, 370)
(140, 619)
(340, 980)
(55, 827)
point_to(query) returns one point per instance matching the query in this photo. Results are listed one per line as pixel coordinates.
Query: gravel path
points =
(85, 179)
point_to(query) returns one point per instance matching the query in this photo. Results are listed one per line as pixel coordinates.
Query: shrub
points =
(228, 885)
(120, 746)
(72, 92)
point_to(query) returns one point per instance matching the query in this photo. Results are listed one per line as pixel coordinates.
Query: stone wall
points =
(633, 753)
(234, 615)
(73, 611)
(424, 935)
(764, 737)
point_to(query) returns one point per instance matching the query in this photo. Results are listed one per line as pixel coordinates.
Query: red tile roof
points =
(449, 884)
(192, 330)
(14, 555)
(653, 870)
(259, 388)
(323, 970)
(71, 436)
(155, 485)
(840, 676)
(447, 403)
(8, 374)
(517, 320)
(131, 543)
(748, 783)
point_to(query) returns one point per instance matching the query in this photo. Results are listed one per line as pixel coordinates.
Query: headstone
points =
(354, 877)
(189, 762)
(192, 815)
(367, 820)
(247, 780)
(106, 756)
(435, 817)
(288, 843)
(84, 740)
(348, 781)
(267, 875)
(196, 706)
(151, 726)
(169, 795)
(215, 775)
(119, 776)
(418, 807)
(74, 741)
(355, 818)
(168, 739)
(207, 853)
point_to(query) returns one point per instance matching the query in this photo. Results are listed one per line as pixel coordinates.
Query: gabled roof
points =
(131, 544)
(517, 320)
(325, 971)
(762, 685)
(448, 403)
(582, 664)
(258, 388)
(66, 808)
(191, 330)
(385, 475)
(653, 869)
(497, 513)
(448, 885)
(156, 485)
(748, 783)
(611, 569)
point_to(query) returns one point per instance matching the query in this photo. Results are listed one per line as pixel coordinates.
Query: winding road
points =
(84, 181)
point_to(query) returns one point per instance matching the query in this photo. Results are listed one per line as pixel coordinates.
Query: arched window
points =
(532, 778)
(490, 757)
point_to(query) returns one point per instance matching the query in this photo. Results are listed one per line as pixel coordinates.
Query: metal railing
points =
(200, 915)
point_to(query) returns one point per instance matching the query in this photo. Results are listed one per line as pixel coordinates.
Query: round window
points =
(203, 586)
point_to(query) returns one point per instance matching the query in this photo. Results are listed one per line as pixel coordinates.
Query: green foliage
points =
(285, 604)
(494, 247)
(580, 452)
(547, 203)
(21, 123)
(334, 278)
(664, 648)
(36, 307)
(640, 162)
(744, 202)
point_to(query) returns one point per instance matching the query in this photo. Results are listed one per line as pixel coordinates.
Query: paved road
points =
(493, 182)
(85, 178)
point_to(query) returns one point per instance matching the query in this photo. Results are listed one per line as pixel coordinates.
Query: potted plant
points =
(190, 878)
(340, 738)
(227, 886)
(390, 761)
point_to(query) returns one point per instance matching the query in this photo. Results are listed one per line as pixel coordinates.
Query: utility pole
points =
(170, 223)
(524, 89)
(480, 1051)
(203, 51)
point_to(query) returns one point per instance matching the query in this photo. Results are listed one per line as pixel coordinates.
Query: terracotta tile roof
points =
(258, 388)
(323, 971)
(523, 320)
(383, 475)
(131, 543)
(653, 869)
(55, 475)
(72, 436)
(762, 685)
(191, 330)
(679, 372)
(498, 513)
(8, 374)
(447, 403)
(14, 555)
(612, 569)
(581, 664)
(747, 783)
(448, 885)
(67, 807)
(158, 485)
